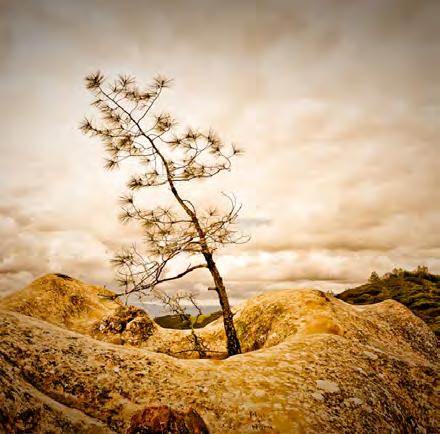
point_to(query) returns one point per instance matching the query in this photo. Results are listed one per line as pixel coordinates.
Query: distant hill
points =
(159, 310)
(418, 290)
(177, 322)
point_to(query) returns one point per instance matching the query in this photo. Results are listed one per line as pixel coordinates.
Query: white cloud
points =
(335, 102)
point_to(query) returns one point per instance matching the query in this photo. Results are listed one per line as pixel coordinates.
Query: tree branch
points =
(183, 273)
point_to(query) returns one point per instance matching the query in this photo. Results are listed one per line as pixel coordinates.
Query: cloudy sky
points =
(336, 103)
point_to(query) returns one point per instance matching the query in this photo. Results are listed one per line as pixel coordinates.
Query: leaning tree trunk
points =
(233, 344)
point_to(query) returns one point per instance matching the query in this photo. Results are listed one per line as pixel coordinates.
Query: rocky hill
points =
(418, 290)
(313, 364)
(61, 300)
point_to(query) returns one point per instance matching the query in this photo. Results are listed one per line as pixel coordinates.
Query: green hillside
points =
(177, 322)
(418, 290)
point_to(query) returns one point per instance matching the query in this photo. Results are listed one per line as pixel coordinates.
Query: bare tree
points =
(175, 304)
(166, 156)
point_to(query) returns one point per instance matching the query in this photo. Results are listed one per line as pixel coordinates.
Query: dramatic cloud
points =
(336, 103)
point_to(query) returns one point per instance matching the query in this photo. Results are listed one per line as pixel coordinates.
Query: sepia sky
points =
(336, 102)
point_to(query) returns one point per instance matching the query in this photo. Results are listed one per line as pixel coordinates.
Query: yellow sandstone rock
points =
(314, 364)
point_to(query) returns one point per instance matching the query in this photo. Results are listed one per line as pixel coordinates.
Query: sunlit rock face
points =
(64, 301)
(312, 364)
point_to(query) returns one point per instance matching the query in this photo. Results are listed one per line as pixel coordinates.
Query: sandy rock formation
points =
(64, 301)
(88, 309)
(318, 365)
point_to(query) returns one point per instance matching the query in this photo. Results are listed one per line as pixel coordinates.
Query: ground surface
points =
(313, 364)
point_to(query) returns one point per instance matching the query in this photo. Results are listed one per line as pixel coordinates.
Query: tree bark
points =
(233, 344)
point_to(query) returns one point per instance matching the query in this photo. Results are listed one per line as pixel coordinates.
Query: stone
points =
(378, 374)
(327, 386)
(163, 419)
